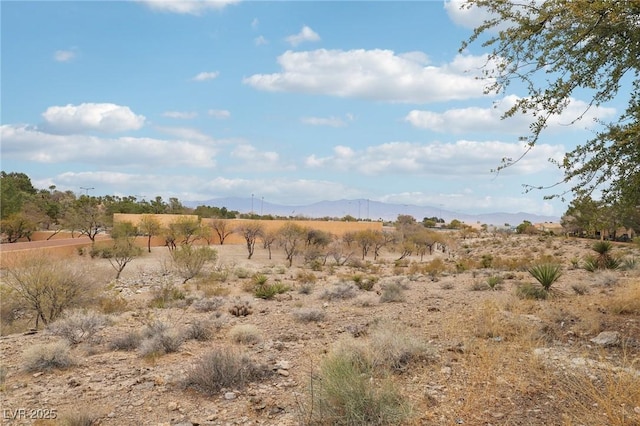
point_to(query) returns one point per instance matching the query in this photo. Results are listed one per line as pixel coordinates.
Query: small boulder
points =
(607, 338)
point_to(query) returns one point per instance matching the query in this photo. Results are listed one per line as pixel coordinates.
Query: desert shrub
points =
(626, 300)
(309, 315)
(160, 339)
(165, 295)
(79, 418)
(606, 279)
(47, 356)
(494, 282)
(48, 286)
(546, 274)
(112, 303)
(306, 288)
(306, 277)
(391, 347)
(78, 326)
(242, 273)
(364, 283)
(189, 260)
(344, 394)
(580, 289)
(224, 368)
(435, 267)
(340, 291)
(268, 291)
(208, 304)
(486, 261)
(629, 263)
(247, 334)
(531, 291)
(126, 342)
(392, 292)
(479, 286)
(199, 330)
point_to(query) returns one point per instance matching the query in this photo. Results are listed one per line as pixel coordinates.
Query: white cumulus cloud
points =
(305, 34)
(87, 117)
(488, 119)
(324, 121)
(181, 115)
(460, 160)
(377, 74)
(190, 7)
(23, 143)
(64, 55)
(204, 76)
(220, 114)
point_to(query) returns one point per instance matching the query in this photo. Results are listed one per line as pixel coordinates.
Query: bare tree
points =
(149, 225)
(292, 238)
(222, 228)
(48, 286)
(250, 231)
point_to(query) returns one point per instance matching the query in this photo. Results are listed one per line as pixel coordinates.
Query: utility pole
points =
(84, 188)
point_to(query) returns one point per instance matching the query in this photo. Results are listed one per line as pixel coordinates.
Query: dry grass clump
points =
(199, 330)
(606, 395)
(126, 342)
(346, 391)
(80, 418)
(208, 304)
(626, 300)
(340, 291)
(392, 292)
(247, 334)
(391, 347)
(48, 356)
(309, 315)
(160, 339)
(224, 368)
(166, 294)
(79, 326)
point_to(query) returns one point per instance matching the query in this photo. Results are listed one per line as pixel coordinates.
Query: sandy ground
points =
(124, 388)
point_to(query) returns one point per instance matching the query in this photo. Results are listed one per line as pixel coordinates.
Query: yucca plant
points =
(546, 274)
(604, 259)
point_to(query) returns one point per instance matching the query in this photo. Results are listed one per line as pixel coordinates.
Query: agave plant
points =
(604, 260)
(546, 274)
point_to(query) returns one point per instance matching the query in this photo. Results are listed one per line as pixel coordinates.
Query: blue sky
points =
(296, 102)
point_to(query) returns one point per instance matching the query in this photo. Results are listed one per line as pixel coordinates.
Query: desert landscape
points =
(446, 338)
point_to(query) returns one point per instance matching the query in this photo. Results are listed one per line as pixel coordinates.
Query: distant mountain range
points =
(366, 209)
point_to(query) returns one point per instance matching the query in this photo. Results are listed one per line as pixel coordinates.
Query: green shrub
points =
(495, 282)
(268, 291)
(364, 283)
(345, 394)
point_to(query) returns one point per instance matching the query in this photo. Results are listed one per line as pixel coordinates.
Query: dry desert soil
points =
(450, 349)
